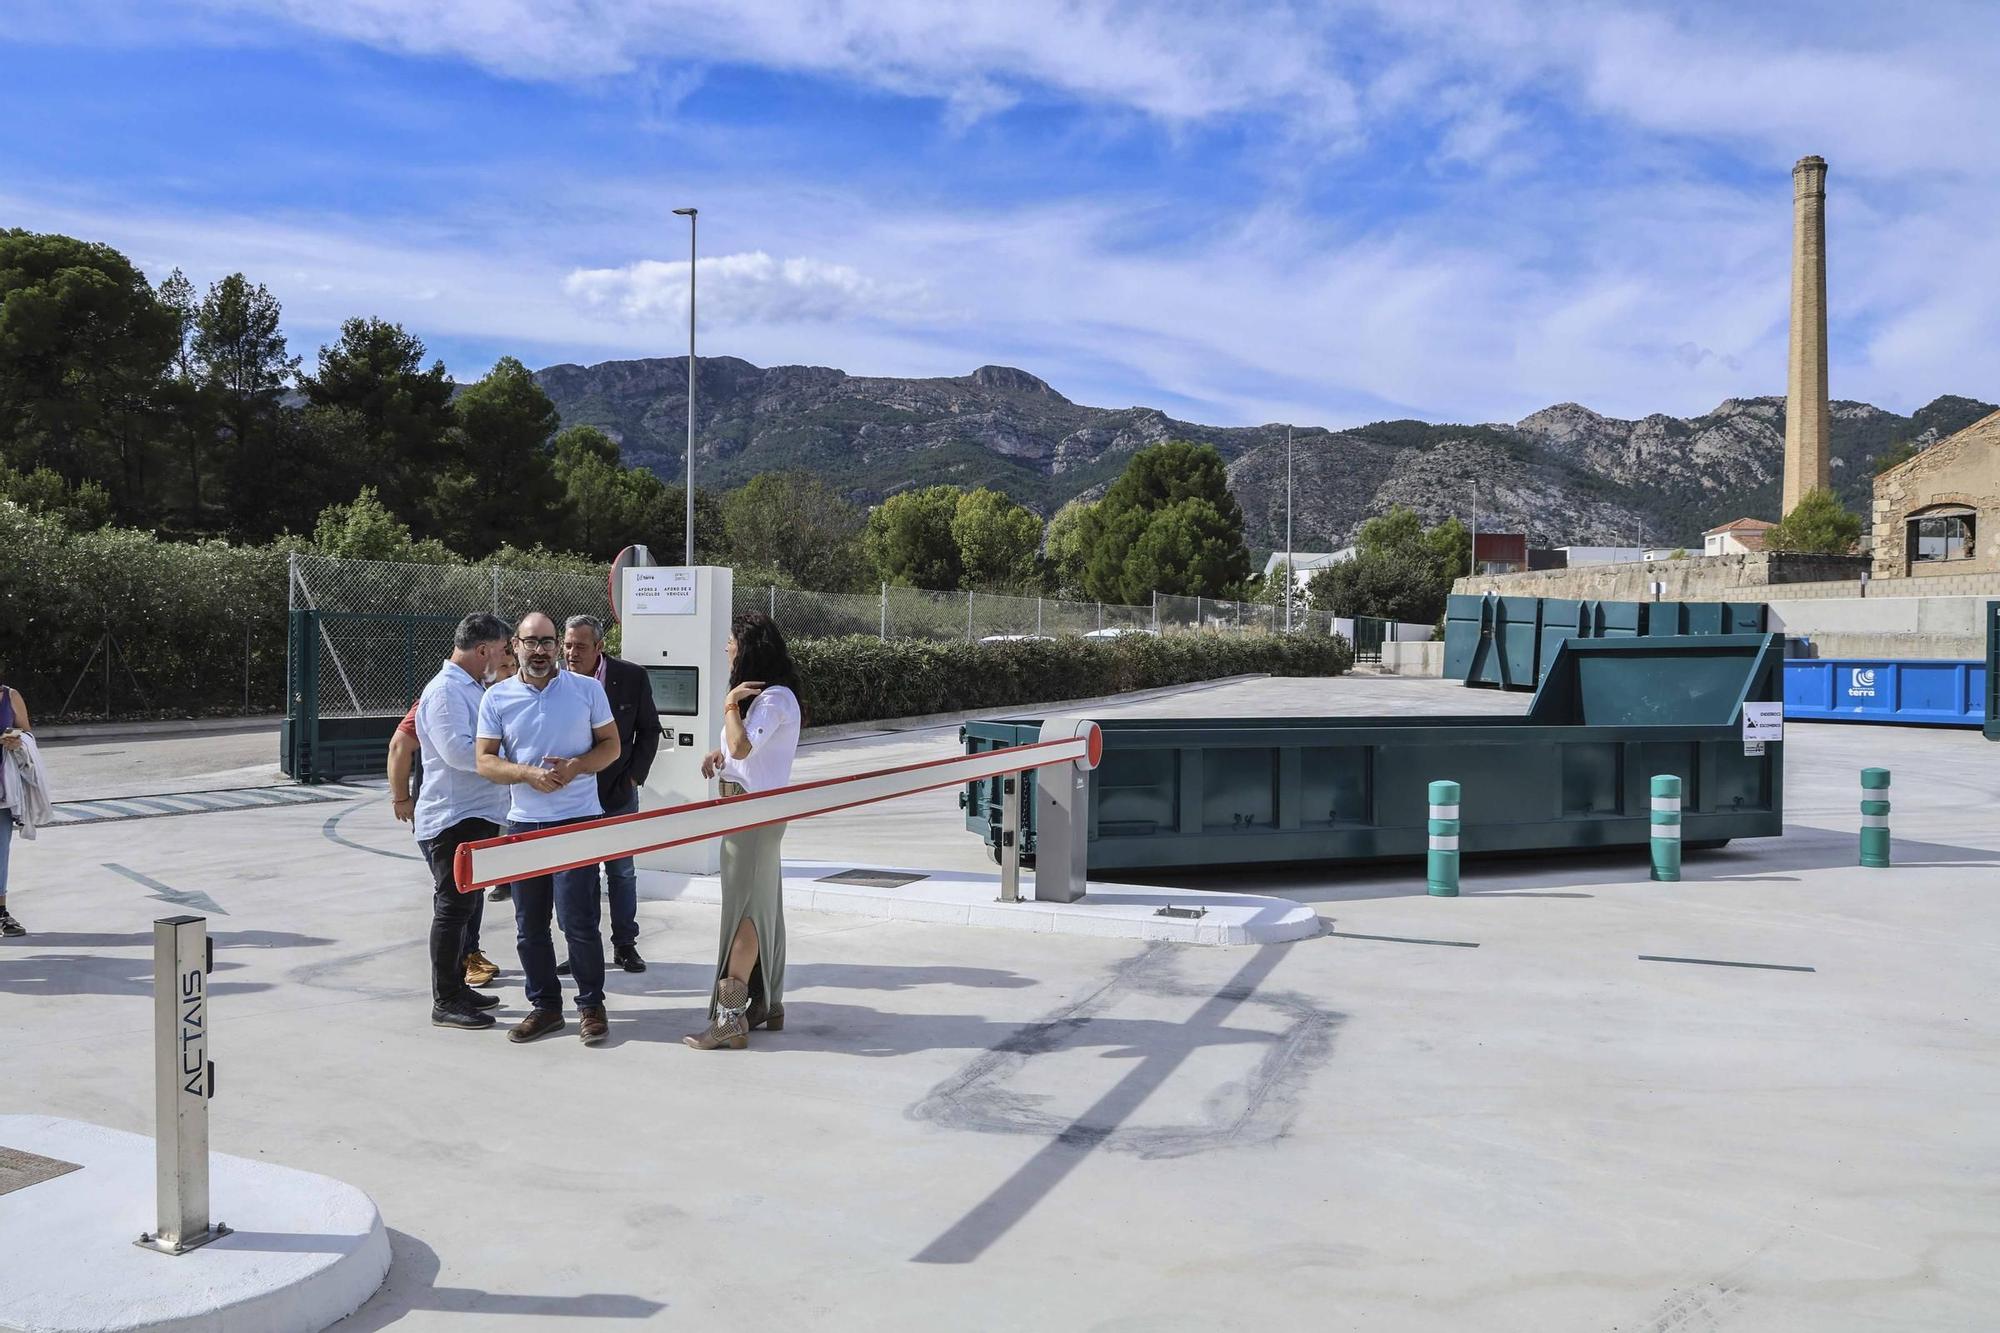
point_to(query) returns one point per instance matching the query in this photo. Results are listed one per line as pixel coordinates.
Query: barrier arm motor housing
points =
(1069, 748)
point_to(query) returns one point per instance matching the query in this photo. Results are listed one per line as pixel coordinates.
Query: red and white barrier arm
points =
(524, 855)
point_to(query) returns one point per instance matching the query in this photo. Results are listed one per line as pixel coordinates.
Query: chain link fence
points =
(381, 627)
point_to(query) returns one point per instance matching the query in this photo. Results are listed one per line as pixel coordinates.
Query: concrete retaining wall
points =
(1413, 658)
(1896, 627)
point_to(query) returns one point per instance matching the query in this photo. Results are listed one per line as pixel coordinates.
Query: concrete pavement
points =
(1475, 1113)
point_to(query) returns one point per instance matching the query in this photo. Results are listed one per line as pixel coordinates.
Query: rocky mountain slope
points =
(1564, 474)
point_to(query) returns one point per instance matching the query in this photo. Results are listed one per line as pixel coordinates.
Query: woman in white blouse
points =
(760, 735)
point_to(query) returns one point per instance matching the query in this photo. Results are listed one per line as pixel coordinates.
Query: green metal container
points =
(1574, 774)
(1992, 730)
(1493, 640)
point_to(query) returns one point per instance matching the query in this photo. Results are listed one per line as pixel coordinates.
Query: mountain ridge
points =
(1565, 474)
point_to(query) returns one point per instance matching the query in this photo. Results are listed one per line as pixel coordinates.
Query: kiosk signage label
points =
(1762, 723)
(661, 592)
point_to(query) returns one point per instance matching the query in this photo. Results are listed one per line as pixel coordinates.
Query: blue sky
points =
(1259, 212)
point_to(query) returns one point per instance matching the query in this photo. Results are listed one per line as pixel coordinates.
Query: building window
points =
(1943, 534)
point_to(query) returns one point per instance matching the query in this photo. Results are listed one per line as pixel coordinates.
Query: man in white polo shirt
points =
(540, 733)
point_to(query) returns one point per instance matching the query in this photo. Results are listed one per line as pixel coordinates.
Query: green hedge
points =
(861, 679)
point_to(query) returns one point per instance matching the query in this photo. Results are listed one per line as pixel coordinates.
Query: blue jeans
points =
(572, 896)
(621, 886)
(7, 837)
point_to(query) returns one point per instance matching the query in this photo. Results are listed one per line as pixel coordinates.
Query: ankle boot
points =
(771, 1019)
(727, 1028)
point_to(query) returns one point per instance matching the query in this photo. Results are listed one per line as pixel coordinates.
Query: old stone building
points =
(1939, 513)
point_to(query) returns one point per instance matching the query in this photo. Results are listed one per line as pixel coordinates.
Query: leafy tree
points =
(181, 394)
(1401, 571)
(1375, 585)
(997, 540)
(796, 524)
(1189, 548)
(1071, 534)
(307, 465)
(1819, 525)
(367, 530)
(84, 343)
(83, 507)
(241, 366)
(375, 370)
(502, 482)
(1156, 486)
(910, 542)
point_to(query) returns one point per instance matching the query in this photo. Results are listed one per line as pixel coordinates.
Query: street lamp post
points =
(1290, 575)
(689, 214)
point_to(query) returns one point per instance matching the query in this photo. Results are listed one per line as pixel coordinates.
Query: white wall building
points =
(1575, 556)
(1305, 564)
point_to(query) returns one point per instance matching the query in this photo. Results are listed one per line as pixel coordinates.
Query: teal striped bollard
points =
(1666, 828)
(1875, 817)
(1442, 862)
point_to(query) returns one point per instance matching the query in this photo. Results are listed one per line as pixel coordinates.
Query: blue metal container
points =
(1855, 689)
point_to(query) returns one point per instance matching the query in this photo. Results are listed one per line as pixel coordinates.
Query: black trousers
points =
(454, 916)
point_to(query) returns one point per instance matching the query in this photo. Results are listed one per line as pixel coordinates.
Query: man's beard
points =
(528, 669)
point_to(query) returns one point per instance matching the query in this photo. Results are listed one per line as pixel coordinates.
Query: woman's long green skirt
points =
(753, 887)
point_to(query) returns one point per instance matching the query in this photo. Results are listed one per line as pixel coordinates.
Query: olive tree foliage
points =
(998, 541)
(1818, 525)
(910, 541)
(1401, 570)
(796, 525)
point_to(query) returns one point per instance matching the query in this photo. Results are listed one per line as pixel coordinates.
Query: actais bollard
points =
(1875, 817)
(1666, 828)
(184, 1081)
(1442, 861)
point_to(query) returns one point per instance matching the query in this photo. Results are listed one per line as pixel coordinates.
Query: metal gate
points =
(1369, 635)
(350, 677)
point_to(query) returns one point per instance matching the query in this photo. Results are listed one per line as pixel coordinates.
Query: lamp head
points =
(685, 212)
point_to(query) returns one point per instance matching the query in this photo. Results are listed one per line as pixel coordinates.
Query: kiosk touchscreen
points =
(675, 624)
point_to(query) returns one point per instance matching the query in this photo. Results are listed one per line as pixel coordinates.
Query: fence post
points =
(246, 667)
(1197, 610)
(1443, 854)
(183, 1082)
(885, 611)
(1666, 828)
(968, 616)
(496, 589)
(1875, 817)
(1100, 615)
(1156, 610)
(774, 608)
(1038, 615)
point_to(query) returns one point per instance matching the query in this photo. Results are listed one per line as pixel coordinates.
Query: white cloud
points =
(743, 288)
(1178, 61)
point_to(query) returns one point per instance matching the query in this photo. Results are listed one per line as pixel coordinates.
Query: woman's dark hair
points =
(761, 655)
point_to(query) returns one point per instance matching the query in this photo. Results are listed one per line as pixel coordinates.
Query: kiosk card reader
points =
(676, 625)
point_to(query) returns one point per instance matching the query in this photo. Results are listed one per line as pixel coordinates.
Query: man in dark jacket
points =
(631, 696)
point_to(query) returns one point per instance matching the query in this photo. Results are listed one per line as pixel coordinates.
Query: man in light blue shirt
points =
(455, 806)
(538, 734)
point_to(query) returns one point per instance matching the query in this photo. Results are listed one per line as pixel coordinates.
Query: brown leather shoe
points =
(771, 1019)
(538, 1023)
(591, 1025)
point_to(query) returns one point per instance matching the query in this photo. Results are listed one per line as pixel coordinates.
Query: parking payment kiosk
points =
(675, 621)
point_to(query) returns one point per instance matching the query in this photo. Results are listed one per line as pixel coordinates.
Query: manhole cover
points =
(1191, 913)
(872, 879)
(18, 1169)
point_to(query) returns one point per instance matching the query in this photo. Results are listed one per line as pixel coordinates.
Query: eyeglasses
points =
(545, 642)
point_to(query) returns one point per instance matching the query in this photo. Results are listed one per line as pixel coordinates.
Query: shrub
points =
(859, 678)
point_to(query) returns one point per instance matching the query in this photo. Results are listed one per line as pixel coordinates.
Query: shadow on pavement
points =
(413, 1285)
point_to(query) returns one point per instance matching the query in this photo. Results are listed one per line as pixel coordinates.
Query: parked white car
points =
(1119, 632)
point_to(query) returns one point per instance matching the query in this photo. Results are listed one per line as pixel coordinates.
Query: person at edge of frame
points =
(14, 724)
(538, 733)
(631, 696)
(406, 779)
